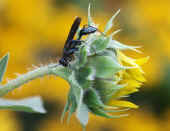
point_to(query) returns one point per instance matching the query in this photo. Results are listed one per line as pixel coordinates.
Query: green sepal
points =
(78, 93)
(82, 114)
(99, 44)
(82, 56)
(115, 32)
(31, 105)
(80, 108)
(111, 53)
(92, 99)
(105, 66)
(103, 113)
(85, 76)
(72, 107)
(90, 21)
(74, 98)
(106, 88)
(67, 105)
(100, 112)
(117, 45)
(76, 89)
(110, 22)
(3, 65)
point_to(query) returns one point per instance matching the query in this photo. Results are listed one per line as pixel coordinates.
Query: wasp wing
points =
(72, 32)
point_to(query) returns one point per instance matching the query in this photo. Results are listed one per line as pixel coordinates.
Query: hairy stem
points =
(52, 69)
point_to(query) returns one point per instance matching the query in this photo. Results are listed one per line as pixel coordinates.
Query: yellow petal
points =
(124, 92)
(131, 83)
(121, 103)
(142, 61)
(126, 60)
(136, 74)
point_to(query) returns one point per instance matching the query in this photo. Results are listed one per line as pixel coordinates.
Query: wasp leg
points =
(71, 51)
(74, 43)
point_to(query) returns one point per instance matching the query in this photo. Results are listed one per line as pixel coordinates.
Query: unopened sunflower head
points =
(101, 75)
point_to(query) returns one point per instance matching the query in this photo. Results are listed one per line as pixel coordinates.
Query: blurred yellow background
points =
(34, 32)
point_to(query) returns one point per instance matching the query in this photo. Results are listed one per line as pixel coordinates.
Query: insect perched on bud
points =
(71, 45)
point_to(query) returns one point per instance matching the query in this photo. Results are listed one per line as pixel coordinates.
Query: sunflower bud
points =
(101, 75)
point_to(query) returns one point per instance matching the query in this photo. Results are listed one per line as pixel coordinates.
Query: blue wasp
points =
(71, 45)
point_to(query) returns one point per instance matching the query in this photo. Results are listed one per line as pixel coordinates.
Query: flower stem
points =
(52, 69)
